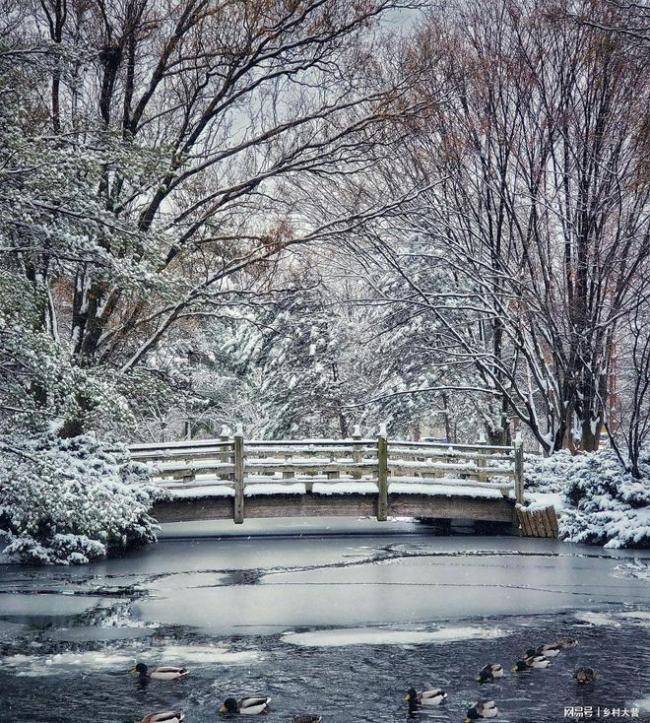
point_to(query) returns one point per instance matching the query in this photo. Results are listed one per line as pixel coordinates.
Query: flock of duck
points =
(250, 705)
(533, 658)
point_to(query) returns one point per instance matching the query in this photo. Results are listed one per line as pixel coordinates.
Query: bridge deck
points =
(344, 505)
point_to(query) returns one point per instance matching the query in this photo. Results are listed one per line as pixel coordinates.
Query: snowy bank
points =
(597, 500)
(67, 501)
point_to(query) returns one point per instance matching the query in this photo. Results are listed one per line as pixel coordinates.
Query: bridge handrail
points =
(230, 465)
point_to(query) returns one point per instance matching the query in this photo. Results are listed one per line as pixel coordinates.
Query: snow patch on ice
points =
(638, 616)
(643, 704)
(186, 654)
(598, 619)
(118, 662)
(38, 665)
(380, 636)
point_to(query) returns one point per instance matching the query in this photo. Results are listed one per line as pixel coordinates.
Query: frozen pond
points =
(339, 617)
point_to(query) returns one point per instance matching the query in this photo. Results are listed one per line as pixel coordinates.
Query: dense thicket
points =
(310, 215)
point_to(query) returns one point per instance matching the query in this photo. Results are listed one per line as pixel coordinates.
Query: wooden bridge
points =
(232, 477)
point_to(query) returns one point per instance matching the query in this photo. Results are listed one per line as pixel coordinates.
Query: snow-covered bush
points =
(67, 501)
(549, 474)
(604, 504)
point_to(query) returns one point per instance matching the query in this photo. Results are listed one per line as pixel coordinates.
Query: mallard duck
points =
(162, 672)
(530, 661)
(537, 661)
(482, 709)
(434, 696)
(167, 716)
(565, 643)
(585, 675)
(490, 672)
(245, 706)
(306, 718)
(549, 650)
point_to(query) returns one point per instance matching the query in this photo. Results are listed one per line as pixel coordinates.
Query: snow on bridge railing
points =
(230, 466)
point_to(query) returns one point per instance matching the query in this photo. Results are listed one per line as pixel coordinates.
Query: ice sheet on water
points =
(643, 704)
(38, 665)
(598, 619)
(120, 660)
(615, 620)
(385, 636)
(187, 654)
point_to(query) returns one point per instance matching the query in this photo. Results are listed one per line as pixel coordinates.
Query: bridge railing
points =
(232, 466)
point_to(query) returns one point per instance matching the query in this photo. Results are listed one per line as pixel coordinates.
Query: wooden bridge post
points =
(238, 510)
(382, 475)
(519, 469)
(357, 454)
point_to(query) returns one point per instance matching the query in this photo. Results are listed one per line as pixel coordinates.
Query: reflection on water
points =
(342, 625)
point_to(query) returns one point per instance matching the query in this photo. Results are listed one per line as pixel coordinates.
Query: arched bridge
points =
(233, 477)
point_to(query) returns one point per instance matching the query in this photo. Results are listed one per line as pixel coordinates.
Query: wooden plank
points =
(530, 529)
(447, 445)
(382, 477)
(519, 522)
(357, 454)
(214, 508)
(183, 444)
(238, 508)
(519, 470)
(307, 443)
(526, 525)
(435, 454)
(438, 470)
(552, 515)
(538, 523)
(257, 467)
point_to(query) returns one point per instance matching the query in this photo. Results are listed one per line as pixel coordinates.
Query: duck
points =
(530, 661)
(161, 672)
(307, 718)
(548, 650)
(434, 696)
(537, 661)
(489, 672)
(482, 709)
(167, 716)
(245, 706)
(585, 675)
(566, 643)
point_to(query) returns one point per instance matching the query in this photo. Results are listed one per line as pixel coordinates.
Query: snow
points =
(382, 636)
(321, 486)
(614, 620)
(643, 704)
(542, 500)
(200, 491)
(596, 499)
(269, 488)
(598, 619)
(109, 660)
(345, 488)
(446, 490)
(67, 501)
